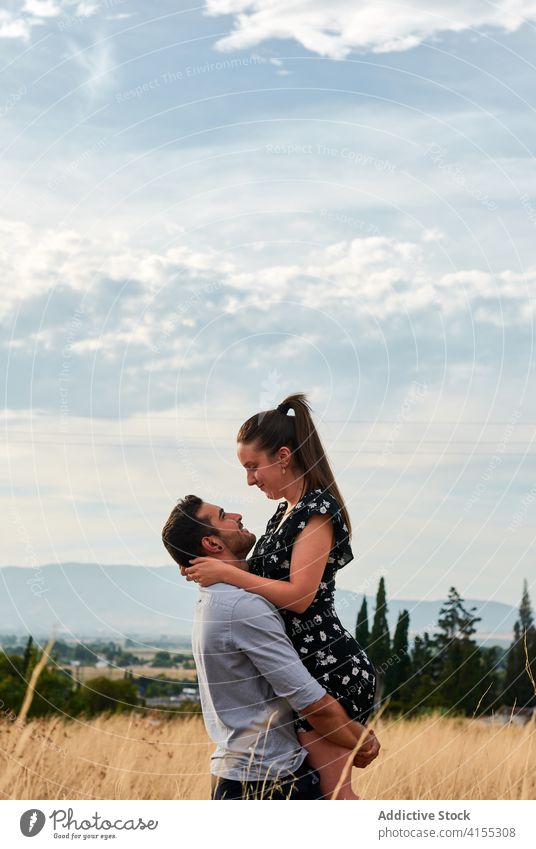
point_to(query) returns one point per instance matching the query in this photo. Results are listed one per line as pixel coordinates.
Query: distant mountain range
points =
(87, 600)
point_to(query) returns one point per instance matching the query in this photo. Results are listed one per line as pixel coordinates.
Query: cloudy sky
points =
(207, 208)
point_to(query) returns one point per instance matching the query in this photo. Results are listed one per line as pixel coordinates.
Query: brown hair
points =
(274, 428)
(184, 530)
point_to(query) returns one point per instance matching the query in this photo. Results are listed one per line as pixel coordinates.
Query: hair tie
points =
(283, 408)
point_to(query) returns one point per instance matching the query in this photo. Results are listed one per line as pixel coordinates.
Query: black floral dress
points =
(330, 653)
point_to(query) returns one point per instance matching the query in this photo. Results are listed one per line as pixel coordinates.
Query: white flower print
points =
(317, 619)
(308, 639)
(365, 674)
(322, 635)
(346, 679)
(303, 651)
(336, 627)
(323, 510)
(301, 526)
(331, 659)
(355, 670)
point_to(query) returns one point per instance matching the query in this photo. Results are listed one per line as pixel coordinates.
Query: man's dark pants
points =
(304, 783)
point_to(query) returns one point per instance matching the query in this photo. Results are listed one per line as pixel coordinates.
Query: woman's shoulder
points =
(320, 500)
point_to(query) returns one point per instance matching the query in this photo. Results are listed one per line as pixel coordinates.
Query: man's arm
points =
(330, 720)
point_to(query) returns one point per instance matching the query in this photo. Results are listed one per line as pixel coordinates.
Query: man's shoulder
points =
(220, 594)
(234, 598)
(251, 604)
(246, 614)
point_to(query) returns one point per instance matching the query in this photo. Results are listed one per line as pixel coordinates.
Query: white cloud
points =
(384, 277)
(379, 275)
(335, 29)
(42, 8)
(35, 263)
(13, 26)
(31, 13)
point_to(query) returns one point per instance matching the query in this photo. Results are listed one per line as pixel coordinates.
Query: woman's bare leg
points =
(330, 760)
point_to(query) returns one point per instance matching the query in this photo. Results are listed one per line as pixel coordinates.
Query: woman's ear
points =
(284, 453)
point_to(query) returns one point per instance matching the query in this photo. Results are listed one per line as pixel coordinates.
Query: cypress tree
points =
(525, 609)
(362, 626)
(29, 657)
(398, 670)
(379, 647)
(518, 689)
(418, 692)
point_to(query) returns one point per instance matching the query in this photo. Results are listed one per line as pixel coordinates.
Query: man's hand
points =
(367, 751)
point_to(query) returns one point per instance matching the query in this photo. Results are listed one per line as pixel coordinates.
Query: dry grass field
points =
(149, 756)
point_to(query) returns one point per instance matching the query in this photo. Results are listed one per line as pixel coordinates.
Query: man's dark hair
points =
(184, 530)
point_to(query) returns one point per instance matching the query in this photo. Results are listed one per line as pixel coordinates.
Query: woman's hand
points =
(205, 571)
(368, 751)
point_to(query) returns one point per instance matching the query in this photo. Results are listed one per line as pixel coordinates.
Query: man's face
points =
(229, 526)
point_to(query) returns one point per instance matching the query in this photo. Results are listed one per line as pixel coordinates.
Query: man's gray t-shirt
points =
(250, 677)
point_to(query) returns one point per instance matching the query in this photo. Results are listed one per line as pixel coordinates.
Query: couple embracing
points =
(285, 690)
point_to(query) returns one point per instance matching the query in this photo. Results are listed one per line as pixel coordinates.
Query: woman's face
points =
(264, 470)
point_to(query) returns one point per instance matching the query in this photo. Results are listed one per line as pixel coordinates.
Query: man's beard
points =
(239, 545)
(247, 548)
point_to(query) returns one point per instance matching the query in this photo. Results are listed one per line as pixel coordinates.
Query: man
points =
(250, 676)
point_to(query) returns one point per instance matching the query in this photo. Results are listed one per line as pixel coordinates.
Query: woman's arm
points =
(309, 557)
(210, 569)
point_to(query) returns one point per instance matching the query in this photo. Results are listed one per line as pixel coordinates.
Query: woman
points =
(294, 564)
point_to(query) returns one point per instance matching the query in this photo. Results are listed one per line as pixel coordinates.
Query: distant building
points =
(511, 716)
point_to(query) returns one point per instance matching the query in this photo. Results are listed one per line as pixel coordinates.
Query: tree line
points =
(58, 691)
(448, 671)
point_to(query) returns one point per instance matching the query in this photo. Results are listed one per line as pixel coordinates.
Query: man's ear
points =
(211, 545)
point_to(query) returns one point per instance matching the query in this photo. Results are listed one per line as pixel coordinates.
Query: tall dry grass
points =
(139, 756)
